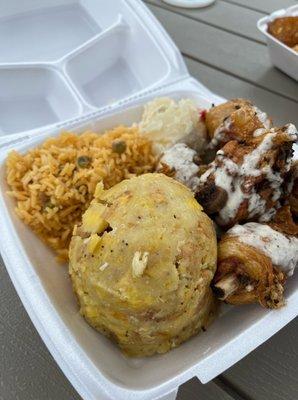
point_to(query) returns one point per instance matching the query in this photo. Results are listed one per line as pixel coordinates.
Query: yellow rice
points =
(52, 190)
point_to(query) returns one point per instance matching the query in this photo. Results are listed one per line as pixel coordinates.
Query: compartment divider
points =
(188, 83)
(119, 25)
(86, 107)
(95, 55)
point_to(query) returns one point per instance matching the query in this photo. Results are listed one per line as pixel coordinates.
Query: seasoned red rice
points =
(54, 183)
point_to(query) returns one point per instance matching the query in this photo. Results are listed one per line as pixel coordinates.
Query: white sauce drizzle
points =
(180, 158)
(291, 129)
(281, 249)
(220, 133)
(259, 132)
(231, 177)
(263, 117)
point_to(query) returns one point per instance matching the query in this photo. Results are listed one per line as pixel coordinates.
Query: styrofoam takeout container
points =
(68, 64)
(282, 56)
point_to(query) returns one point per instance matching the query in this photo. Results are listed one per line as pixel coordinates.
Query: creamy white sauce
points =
(291, 129)
(180, 158)
(220, 132)
(269, 214)
(259, 132)
(281, 249)
(251, 160)
(231, 177)
(263, 117)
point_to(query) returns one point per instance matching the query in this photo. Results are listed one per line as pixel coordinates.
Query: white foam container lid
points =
(282, 56)
(70, 64)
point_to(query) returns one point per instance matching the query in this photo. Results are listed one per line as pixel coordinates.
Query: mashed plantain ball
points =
(141, 264)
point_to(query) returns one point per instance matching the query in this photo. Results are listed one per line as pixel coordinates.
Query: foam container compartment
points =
(63, 59)
(282, 56)
(107, 60)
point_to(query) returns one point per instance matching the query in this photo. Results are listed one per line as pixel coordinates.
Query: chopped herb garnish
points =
(119, 146)
(84, 161)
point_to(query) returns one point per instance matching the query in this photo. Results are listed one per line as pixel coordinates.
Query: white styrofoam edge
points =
(169, 396)
(262, 25)
(239, 348)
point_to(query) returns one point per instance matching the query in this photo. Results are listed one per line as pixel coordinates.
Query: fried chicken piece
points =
(255, 259)
(234, 120)
(244, 182)
(285, 29)
(216, 115)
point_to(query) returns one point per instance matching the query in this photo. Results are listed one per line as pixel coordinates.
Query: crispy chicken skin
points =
(216, 115)
(251, 267)
(234, 120)
(285, 29)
